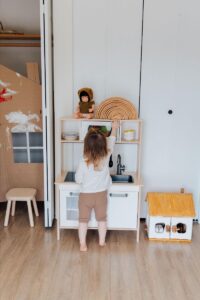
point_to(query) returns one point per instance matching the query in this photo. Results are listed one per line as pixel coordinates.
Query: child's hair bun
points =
(93, 130)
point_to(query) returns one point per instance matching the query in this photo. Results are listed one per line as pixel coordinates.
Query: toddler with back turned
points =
(94, 178)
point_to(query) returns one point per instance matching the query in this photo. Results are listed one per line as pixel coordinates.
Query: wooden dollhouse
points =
(170, 216)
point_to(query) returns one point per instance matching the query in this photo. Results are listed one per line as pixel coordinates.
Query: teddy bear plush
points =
(85, 108)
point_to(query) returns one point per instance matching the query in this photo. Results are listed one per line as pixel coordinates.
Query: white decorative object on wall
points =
(23, 121)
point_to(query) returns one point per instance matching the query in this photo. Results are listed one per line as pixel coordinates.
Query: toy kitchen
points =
(123, 212)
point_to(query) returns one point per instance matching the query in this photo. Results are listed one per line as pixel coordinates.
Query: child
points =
(94, 177)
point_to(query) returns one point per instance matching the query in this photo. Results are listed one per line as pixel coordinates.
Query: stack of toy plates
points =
(70, 136)
(116, 108)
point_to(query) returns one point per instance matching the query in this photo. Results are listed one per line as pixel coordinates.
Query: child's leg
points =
(102, 228)
(82, 232)
(100, 213)
(85, 207)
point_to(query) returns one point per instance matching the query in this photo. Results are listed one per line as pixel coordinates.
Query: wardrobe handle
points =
(73, 194)
(119, 195)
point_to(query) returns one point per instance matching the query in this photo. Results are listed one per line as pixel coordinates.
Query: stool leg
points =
(7, 213)
(13, 208)
(35, 207)
(30, 213)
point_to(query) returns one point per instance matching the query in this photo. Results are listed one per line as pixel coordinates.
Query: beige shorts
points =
(89, 201)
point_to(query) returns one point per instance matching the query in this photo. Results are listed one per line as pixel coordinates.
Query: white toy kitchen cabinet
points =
(120, 206)
(123, 212)
(68, 209)
(170, 216)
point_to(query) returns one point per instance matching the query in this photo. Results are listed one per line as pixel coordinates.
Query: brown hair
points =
(95, 147)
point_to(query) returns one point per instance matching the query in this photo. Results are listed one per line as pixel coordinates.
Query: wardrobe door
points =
(170, 96)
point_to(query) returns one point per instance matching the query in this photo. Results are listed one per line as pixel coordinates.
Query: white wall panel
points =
(106, 47)
(106, 54)
(124, 19)
(96, 44)
(63, 66)
(89, 49)
(170, 80)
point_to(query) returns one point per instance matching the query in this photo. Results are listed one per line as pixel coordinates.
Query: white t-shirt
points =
(93, 181)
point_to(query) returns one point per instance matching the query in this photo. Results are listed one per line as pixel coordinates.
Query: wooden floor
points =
(34, 265)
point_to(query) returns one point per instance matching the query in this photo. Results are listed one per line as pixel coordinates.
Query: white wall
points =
(23, 16)
(106, 47)
(63, 68)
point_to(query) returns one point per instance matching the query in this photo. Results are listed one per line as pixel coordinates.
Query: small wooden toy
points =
(170, 216)
(85, 108)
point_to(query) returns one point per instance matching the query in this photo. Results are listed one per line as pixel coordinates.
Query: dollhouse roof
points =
(171, 204)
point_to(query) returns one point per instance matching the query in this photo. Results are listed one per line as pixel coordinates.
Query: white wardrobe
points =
(98, 43)
(170, 96)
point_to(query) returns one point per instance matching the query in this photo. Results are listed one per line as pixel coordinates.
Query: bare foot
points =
(83, 248)
(102, 244)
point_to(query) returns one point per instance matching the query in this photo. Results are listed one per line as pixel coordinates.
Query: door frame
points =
(47, 108)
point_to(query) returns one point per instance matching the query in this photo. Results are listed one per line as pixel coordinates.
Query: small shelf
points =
(80, 126)
(23, 40)
(69, 142)
(98, 120)
(126, 142)
(19, 36)
(117, 142)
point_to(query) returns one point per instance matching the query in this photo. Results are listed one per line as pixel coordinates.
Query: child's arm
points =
(111, 139)
(115, 126)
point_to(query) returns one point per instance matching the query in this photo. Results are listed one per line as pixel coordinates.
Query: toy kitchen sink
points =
(70, 177)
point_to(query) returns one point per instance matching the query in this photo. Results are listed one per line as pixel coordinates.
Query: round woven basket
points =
(116, 108)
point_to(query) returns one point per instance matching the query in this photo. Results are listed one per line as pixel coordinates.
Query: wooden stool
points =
(21, 194)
